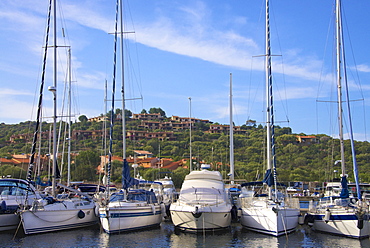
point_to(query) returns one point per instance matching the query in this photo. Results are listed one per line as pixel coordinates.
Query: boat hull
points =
(203, 220)
(58, 217)
(129, 217)
(270, 220)
(13, 195)
(342, 224)
(206, 222)
(203, 203)
(9, 221)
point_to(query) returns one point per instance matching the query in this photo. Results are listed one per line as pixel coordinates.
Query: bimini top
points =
(204, 175)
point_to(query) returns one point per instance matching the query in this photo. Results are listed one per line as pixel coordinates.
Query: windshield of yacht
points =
(202, 194)
(13, 187)
(137, 196)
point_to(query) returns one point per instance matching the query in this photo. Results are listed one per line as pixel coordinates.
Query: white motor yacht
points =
(203, 203)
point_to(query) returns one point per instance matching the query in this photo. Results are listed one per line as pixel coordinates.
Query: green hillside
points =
(295, 161)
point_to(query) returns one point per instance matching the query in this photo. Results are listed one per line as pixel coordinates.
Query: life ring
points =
(81, 214)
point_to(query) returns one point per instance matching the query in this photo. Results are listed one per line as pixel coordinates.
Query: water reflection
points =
(325, 240)
(166, 236)
(218, 239)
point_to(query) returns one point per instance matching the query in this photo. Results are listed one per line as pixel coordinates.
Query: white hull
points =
(342, 223)
(204, 220)
(130, 216)
(13, 195)
(271, 220)
(8, 221)
(59, 216)
(203, 203)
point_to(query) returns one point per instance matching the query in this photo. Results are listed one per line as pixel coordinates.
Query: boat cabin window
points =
(143, 196)
(202, 194)
(202, 191)
(14, 188)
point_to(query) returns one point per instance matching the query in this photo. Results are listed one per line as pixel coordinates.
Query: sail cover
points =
(344, 193)
(127, 180)
(269, 179)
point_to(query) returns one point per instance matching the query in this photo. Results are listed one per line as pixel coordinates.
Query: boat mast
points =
(339, 83)
(353, 151)
(231, 132)
(270, 152)
(123, 86)
(104, 178)
(112, 106)
(41, 93)
(53, 89)
(190, 155)
(69, 115)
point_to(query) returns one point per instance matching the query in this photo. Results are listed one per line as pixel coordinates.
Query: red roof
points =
(5, 160)
(21, 160)
(173, 165)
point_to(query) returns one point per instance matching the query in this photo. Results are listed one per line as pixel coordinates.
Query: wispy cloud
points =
(363, 68)
(20, 110)
(91, 80)
(198, 39)
(12, 92)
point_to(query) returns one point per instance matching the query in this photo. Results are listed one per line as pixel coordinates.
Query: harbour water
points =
(167, 236)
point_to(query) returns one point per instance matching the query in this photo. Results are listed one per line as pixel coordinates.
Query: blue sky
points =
(183, 49)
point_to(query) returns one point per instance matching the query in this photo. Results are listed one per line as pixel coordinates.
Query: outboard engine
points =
(309, 219)
(234, 213)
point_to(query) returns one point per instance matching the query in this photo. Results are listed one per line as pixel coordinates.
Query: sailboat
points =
(270, 212)
(50, 213)
(129, 209)
(342, 215)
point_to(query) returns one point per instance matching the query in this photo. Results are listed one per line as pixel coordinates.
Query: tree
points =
(85, 166)
(250, 123)
(286, 139)
(157, 111)
(150, 174)
(178, 176)
(143, 111)
(128, 113)
(82, 118)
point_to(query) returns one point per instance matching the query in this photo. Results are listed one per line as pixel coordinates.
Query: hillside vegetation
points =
(295, 161)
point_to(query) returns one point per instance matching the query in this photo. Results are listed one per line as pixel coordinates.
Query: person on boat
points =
(76, 189)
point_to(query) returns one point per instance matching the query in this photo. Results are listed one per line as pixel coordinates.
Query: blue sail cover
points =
(269, 179)
(127, 180)
(344, 193)
(39, 182)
